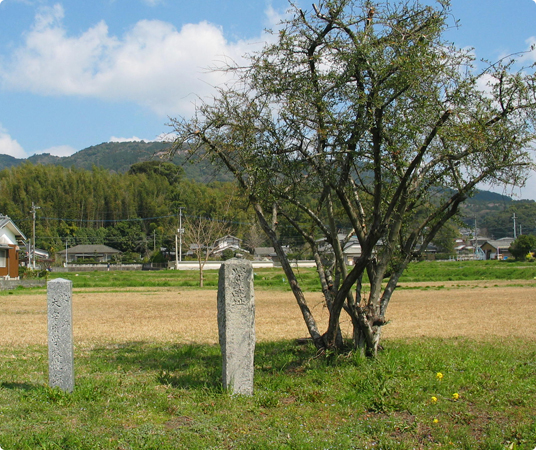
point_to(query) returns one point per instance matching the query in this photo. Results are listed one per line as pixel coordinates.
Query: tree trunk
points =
(310, 322)
(341, 297)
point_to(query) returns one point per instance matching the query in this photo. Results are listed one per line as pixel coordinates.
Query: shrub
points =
(523, 246)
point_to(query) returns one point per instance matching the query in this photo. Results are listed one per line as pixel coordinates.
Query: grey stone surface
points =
(60, 334)
(6, 285)
(236, 325)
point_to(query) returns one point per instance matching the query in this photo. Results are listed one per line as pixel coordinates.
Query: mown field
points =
(458, 368)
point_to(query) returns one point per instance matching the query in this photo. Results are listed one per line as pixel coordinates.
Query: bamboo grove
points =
(133, 212)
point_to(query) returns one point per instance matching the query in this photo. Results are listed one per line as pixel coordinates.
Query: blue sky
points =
(75, 74)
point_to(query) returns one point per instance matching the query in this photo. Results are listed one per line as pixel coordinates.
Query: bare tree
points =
(361, 117)
(255, 237)
(201, 234)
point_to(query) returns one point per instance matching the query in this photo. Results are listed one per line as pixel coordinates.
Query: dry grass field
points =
(480, 310)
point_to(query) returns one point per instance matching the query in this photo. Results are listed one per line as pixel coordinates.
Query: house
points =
(227, 243)
(468, 247)
(463, 246)
(98, 253)
(263, 253)
(42, 257)
(429, 252)
(351, 250)
(269, 253)
(10, 237)
(498, 248)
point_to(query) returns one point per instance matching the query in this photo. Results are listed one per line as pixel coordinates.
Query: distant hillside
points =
(8, 161)
(118, 157)
(491, 211)
(488, 197)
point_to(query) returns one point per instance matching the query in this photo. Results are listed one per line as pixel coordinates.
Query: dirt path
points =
(433, 309)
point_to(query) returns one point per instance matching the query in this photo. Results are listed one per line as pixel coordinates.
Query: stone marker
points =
(60, 334)
(236, 325)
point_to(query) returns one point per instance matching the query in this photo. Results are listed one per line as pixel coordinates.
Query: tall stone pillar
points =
(236, 325)
(60, 334)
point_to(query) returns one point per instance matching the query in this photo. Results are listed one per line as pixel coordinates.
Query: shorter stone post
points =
(236, 325)
(60, 334)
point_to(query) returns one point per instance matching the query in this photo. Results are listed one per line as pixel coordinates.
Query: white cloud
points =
(485, 83)
(122, 139)
(153, 64)
(60, 150)
(166, 137)
(273, 17)
(162, 137)
(530, 56)
(9, 146)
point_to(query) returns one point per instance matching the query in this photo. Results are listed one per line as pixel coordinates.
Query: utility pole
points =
(32, 250)
(515, 231)
(475, 235)
(178, 246)
(181, 231)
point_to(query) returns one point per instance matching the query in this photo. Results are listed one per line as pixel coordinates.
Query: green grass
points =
(147, 396)
(276, 279)
(264, 279)
(143, 395)
(469, 270)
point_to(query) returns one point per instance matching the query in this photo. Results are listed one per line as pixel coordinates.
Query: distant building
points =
(351, 249)
(497, 248)
(264, 253)
(227, 243)
(10, 238)
(42, 257)
(99, 253)
(269, 253)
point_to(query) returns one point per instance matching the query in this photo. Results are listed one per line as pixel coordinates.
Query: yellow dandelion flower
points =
(434, 399)
(455, 396)
(435, 420)
(439, 375)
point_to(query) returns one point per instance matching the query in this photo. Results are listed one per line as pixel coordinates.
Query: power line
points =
(138, 219)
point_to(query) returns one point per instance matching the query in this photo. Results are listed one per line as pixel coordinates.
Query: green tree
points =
(361, 113)
(170, 171)
(522, 246)
(85, 205)
(445, 238)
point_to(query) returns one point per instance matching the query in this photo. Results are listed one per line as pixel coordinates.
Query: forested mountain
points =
(127, 195)
(119, 156)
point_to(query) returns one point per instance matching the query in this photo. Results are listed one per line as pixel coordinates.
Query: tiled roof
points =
(5, 221)
(91, 249)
